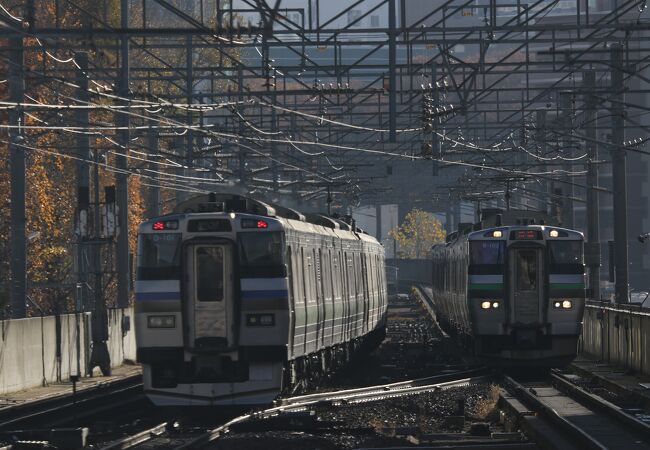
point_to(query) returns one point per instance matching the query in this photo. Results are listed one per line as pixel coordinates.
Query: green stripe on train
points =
(486, 286)
(567, 285)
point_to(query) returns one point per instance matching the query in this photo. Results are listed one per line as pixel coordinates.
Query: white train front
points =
(234, 307)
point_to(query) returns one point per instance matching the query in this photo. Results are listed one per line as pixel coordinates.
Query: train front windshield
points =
(159, 256)
(566, 256)
(487, 257)
(260, 255)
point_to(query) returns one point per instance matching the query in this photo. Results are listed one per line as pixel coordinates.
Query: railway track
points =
(575, 418)
(294, 405)
(68, 409)
(379, 392)
(163, 435)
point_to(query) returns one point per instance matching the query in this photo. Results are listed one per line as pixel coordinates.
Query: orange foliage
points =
(51, 192)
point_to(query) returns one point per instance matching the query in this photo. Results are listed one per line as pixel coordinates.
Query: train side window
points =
(308, 276)
(209, 274)
(303, 275)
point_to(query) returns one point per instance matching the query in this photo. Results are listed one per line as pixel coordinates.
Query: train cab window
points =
(260, 255)
(159, 256)
(486, 257)
(565, 256)
(209, 274)
(527, 270)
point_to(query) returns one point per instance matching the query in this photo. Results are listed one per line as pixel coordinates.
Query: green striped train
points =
(513, 294)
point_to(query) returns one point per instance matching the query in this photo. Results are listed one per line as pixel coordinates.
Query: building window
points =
(353, 15)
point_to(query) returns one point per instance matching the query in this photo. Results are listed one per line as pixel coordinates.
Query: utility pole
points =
(153, 202)
(566, 127)
(274, 150)
(189, 87)
(619, 173)
(540, 138)
(593, 224)
(83, 180)
(242, 152)
(436, 152)
(392, 71)
(17, 164)
(122, 188)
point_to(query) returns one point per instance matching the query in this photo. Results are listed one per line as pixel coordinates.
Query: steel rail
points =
(401, 385)
(66, 407)
(353, 396)
(137, 439)
(599, 403)
(584, 439)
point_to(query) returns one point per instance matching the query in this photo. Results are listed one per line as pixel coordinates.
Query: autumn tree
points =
(415, 236)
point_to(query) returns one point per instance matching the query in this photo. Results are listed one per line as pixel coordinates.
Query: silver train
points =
(514, 294)
(237, 300)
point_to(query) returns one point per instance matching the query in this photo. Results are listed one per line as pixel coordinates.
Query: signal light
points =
(254, 223)
(165, 225)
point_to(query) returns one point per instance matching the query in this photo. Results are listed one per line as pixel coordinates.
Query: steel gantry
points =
(316, 100)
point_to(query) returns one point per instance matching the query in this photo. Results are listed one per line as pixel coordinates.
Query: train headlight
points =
(495, 305)
(553, 233)
(497, 234)
(486, 305)
(562, 303)
(161, 322)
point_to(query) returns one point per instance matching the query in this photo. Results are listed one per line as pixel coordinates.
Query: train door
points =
(292, 299)
(526, 284)
(318, 277)
(365, 274)
(208, 295)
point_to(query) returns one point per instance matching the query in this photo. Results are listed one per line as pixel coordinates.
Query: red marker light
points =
(262, 224)
(158, 226)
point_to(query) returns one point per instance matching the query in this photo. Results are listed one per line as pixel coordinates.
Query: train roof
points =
(227, 203)
(488, 233)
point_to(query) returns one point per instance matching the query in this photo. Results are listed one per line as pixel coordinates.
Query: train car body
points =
(515, 294)
(238, 302)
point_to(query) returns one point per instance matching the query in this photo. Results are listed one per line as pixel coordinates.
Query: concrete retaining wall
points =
(39, 351)
(412, 270)
(617, 335)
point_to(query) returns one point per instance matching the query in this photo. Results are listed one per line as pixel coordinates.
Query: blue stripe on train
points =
(282, 293)
(158, 296)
